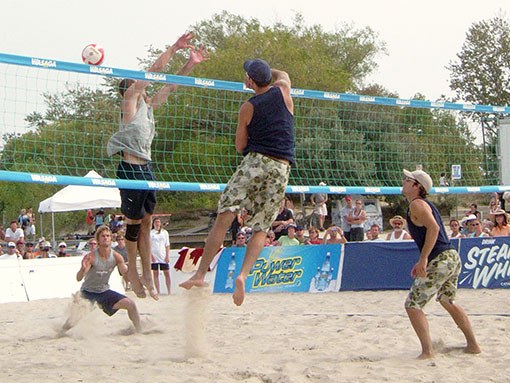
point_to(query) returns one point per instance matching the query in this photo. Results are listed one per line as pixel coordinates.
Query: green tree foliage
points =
(481, 75)
(333, 61)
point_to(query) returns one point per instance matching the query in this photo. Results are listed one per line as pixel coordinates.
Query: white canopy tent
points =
(74, 197)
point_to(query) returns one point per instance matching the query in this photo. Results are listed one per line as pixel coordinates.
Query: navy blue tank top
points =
(419, 232)
(271, 129)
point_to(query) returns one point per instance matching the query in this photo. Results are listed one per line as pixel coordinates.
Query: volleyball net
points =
(57, 117)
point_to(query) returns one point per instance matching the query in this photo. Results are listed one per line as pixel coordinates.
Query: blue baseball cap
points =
(258, 70)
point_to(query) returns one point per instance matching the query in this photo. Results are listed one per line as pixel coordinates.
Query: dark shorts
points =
(106, 300)
(357, 234)
(160, 266)
(136, 203)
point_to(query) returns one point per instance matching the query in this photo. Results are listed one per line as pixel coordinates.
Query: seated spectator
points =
(11, 253)
(476, 229)
(289, 239)
(374, 233)
(1, 249)
(300, 235)
(247, 232)
(398, 233)
(333, 235)
(29, 251)
(494, 205)
(91, 245)
(270, 239)
(2, 233)
(314, 238)
(284, 218)
(455, 227)
(240, 239)
(121, 247)
(473, 209)
(487, 226)
(45, 251)
(466, 229)
(62, 247)
(20, 247)
(14, 233)
(501, 228)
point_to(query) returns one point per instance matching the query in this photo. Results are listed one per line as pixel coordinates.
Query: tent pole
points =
(53, 228)
(40, 224)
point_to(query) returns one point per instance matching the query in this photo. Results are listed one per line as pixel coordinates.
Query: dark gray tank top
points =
(97, 278)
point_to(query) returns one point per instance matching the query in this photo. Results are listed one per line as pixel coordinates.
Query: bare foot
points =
(194, 281)
(150, 288)
(239, 293)
(424, 356)
(138, 289)
(473, 349)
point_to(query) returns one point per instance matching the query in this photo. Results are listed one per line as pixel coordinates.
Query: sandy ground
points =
(199, 337)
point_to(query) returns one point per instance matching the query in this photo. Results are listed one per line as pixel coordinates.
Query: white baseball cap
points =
(62, 244)
(421, 177)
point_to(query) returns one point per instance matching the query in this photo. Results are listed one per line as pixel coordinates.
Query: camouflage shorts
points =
(258, 185)
(442, 278)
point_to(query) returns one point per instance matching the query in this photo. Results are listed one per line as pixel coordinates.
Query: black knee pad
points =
(132, 231)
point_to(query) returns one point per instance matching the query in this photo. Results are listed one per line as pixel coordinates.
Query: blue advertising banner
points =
(282, 269)
(380, 265)
(485, 263)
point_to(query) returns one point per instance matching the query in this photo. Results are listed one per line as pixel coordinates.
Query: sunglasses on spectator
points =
(474, 224)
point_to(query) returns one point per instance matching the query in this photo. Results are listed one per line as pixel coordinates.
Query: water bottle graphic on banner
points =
(322, 283)
(229, 284)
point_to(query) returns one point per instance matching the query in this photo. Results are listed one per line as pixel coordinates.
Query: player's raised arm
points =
(281, 79)
(196, 56)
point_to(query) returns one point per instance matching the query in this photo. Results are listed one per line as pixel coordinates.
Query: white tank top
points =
(400, 238)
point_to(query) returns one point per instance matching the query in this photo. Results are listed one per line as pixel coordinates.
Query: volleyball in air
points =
(93, 54)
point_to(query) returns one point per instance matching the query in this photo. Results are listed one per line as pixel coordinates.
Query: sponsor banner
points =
(380, 265)
(485, 262)
(311, 268)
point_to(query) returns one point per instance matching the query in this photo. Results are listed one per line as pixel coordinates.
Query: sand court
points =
(285, 337)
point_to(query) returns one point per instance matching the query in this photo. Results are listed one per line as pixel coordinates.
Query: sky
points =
(422, 38)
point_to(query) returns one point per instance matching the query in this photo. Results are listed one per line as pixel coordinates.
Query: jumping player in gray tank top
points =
(133, 142)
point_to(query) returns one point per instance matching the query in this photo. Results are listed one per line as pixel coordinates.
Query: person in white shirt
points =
(14, 233)
(12, 252)
(398, 233)
(375, 230)
(45, 250)
(160, 254)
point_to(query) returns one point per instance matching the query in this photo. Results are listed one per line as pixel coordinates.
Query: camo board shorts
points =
(442, 278)
(258, 184)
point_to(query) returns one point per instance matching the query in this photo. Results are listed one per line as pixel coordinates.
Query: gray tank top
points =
(136, 136)
(96, 280)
